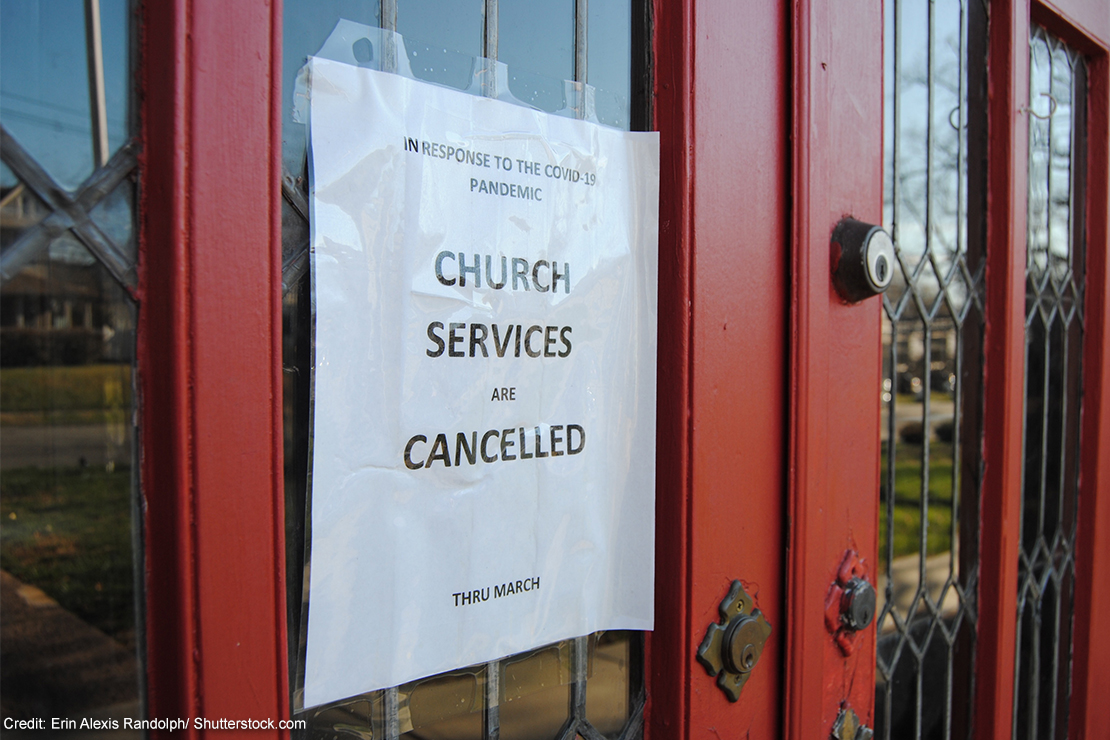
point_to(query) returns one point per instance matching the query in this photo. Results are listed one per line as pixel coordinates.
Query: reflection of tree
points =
(1052, 76)
(926, 176)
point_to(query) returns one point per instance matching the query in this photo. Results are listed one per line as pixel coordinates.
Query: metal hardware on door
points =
(732, 647)
(857, 605)
(850, 603)
(862, 259)
(849, 727)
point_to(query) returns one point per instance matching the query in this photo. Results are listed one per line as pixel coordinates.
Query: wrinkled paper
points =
(483, 460)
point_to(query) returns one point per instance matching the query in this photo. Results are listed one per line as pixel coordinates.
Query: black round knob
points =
(863, 259)
(857, 606)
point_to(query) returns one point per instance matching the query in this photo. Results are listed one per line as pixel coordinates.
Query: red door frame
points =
(209, 358)
(1085, 25)
(765, 446)
(835, 353)
(723, 287)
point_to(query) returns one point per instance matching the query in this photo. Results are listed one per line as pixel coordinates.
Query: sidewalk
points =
(53, 664)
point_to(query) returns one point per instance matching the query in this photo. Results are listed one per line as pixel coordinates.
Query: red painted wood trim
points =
(277, 381)
(163, 359)
(1004, 360)
(670, 649)
(739, 348)
(804, 677)
(724, 229)
(209, 359)
(1083, 23)
(835, 353)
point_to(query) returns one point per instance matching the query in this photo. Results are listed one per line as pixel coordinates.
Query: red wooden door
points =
(771, 122)
(768, 413)
(722, 108)
(772, 130)
(834, 415)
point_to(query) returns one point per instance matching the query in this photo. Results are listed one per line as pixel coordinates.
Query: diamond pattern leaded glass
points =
(932, 368)
(71, 544)
(1055, 265)
(587, 688)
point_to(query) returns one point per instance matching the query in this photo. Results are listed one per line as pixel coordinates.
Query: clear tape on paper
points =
(376, 48)
(605, 227)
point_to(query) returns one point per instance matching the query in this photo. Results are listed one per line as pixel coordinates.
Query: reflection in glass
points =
(1055, 270)
(536, 694)
(44, 101)
(305, 27)
(114, 214)
(609, 65)
(612, 679)
(448, 706)
(68, 597)
(69, 538)
(536, 40)
(442, 39)
(932, 370)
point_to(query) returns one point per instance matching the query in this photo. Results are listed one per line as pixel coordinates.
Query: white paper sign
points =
(483, 472)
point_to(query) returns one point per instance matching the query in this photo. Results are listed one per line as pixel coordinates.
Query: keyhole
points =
(880, 269)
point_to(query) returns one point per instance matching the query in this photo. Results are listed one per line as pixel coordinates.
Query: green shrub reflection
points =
(908, 504)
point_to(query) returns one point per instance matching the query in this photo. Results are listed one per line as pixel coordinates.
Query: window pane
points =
(44, 101)
(66, 491)
(70, 544)
(442, 38)
(932, 370)
(305, 28)
(527, 695)
(536, 40)
(609, 65)
(1054, 287)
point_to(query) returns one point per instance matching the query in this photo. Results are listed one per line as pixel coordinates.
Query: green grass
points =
(68, 532)
(907, 500)
(83, 394)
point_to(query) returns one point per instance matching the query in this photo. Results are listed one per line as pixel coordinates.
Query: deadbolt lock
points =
(850, 603)
(863, 260)
(732, 647)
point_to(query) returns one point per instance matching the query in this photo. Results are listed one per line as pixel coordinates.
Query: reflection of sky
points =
(907, 144)
(535, 39)
(44, 82)
(925, 145)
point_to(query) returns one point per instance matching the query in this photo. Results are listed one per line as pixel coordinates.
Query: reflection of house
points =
(62, 310)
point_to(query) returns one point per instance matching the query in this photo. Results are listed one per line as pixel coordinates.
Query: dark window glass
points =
(1054, 288)
(70, 542)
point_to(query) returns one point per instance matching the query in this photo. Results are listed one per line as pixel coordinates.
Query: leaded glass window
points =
(70, 542)
(933, 325)
(1054, 292)
(590, 687)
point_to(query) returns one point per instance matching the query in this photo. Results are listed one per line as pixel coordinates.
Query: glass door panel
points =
(70, 539)
(592, 684)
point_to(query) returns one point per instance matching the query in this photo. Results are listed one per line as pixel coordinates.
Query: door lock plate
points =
(850, 603)
(732, 647)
